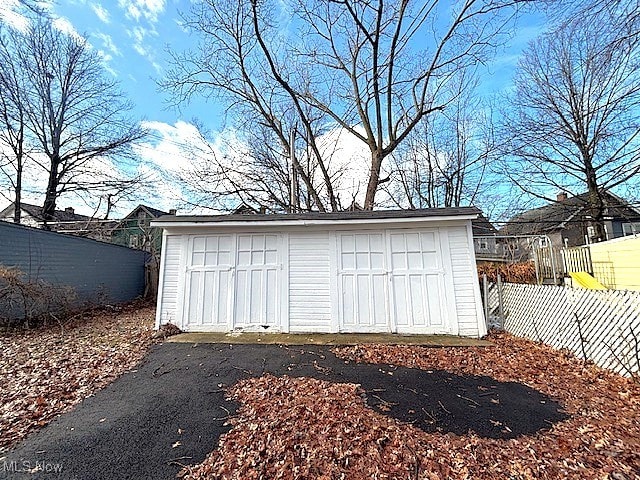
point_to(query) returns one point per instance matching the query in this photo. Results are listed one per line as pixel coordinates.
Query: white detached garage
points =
(408, 271)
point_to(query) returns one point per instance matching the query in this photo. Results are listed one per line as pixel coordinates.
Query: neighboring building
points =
(135, 230)
(402, 271)
(566, 222)
(616, 263)
(31, 215)
(64, 221)
(485, 244)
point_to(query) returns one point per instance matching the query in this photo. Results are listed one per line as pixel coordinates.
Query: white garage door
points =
(208, 283)
(362, 283)
(232, 281)
(257, 291)
(392, 281)
(418, 295)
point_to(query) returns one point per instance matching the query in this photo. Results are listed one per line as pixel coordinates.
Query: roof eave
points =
(204, 223)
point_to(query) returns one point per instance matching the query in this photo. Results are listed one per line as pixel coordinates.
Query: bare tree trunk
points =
(595, 207)
(51, 194)
(374, 179)
(17, 203)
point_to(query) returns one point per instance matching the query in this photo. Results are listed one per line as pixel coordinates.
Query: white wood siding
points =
(312, 288)
(170, 278)
(309, 282)
(465, 282)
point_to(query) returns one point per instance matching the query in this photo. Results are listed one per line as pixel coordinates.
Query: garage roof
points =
(319, 218)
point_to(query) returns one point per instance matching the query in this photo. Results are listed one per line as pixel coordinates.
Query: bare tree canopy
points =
(445, 160)
(13, 148)
(575, 122)
(375, 69)
(76, 117)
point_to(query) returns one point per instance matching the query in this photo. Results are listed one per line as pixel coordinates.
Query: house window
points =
(134, 241)
(483, 244)
(630, 228)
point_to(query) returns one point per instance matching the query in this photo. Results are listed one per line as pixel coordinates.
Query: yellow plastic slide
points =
(584, 280)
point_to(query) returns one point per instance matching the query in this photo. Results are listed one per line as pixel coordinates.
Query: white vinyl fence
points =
(598, 325)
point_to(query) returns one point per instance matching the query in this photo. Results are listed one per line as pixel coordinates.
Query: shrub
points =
(523, 272)
(26, 301)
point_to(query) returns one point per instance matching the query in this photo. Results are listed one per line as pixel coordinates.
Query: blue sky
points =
(133, 35)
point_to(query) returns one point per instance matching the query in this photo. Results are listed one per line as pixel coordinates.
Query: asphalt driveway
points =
(172, 410)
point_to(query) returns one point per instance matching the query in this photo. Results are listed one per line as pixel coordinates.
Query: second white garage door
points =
(394, 281)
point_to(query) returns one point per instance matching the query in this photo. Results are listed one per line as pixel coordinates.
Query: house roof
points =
(483, 227)
(153, 213)
(35, 211)
(557, 215)
(319, 218)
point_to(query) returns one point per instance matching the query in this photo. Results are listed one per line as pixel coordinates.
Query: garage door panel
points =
(242, 293)
(349, 298)
(363, 312)
(208, 298)
(209, 290)
(256, 288)
(399, 298)
(428, 241)
(434, 295)
(416, 301)
(271, 300)
(194, 310)
(379, 314)
(222, 297)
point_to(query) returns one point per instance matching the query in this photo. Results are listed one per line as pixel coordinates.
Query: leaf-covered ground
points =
(46, 371)
(308, 428)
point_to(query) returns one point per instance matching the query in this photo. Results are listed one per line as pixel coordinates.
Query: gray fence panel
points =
(96, 270)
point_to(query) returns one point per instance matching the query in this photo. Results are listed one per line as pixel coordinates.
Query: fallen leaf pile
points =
(45, 371)
(306, 428)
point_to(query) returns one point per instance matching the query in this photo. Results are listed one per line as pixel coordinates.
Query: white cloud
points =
(65, 26)
(174, 147)
(138, 9)
(139, 35)
(10, 15)
(101, 12)
(108, 44)
(348, 161)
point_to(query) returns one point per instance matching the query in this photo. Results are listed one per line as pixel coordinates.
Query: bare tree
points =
(374, 69)
(263, 112)
(13, 148)
(575, 122)
(75, 114)
(444, 161)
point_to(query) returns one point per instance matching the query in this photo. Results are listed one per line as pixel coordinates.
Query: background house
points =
(484, 242)
(135, 230)
(567, 221)
(31, 215)
(64, 221)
